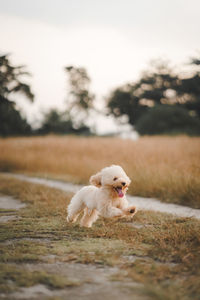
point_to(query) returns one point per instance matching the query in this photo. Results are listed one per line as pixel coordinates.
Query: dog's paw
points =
(69, 220)
(130, 211)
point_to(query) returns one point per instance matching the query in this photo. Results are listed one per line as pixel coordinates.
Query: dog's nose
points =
(123, 183)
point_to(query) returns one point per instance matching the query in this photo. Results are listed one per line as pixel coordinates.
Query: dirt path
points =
(140, 202)
(90, 283)
(9, 203)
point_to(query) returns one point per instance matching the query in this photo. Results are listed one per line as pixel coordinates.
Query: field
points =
(167, 168)
(156, 256)
(152, 257)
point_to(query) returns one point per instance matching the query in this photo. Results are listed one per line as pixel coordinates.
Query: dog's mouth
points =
(119, 191)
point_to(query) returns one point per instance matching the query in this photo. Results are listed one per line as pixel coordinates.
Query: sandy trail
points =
(9, 203)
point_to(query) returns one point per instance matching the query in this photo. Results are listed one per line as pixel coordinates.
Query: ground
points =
(153, 256)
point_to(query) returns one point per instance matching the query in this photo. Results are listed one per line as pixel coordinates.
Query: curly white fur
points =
(104, 197)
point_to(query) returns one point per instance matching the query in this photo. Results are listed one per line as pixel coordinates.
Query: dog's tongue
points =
(120, 193)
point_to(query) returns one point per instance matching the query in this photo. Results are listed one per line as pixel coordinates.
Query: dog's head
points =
(112, 177)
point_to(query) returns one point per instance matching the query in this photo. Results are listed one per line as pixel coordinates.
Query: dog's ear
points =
(96, 179)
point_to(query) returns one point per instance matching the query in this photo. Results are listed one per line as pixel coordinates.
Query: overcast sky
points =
(113, 40)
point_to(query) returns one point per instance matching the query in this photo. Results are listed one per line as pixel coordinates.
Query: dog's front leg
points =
(126, 208)
(130, 211)
(110, 212)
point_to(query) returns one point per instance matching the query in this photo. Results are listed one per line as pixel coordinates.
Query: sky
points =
(113, 40)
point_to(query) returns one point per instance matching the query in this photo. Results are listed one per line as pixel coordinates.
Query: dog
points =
(104, 197)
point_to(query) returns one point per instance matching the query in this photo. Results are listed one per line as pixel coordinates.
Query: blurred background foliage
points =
(11, 82)
(162, 101)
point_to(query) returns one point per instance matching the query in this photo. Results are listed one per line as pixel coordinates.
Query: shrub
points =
(167, 119)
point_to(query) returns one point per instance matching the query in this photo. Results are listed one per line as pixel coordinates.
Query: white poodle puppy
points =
(104, 197)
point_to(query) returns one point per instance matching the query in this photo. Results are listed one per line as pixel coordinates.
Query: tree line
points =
(161, 101)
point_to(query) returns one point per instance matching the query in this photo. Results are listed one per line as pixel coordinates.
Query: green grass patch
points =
(90, 250)
(12, 277)
(22, 251)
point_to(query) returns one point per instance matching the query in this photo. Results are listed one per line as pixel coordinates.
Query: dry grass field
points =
(167, 168)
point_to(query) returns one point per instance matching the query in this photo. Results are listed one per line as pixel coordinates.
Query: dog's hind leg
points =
(74, 209)
(73, 218)
(89, 217)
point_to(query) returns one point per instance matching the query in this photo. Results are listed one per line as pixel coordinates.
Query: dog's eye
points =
(115, 178)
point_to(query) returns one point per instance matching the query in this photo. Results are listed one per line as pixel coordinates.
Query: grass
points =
(163, 167)
(23, 278)
(166, 249)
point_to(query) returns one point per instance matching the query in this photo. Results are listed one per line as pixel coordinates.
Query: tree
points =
(10, 80)
(60, 123)
(135, 99)
(168, 119)
(11, 122)
(11, 83)
(80, 99)
(189, 89)
(123, 101)
(164, 87)
(157, 86)
(55, 122)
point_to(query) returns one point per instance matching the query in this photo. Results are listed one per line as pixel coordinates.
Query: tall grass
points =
(164, 167)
